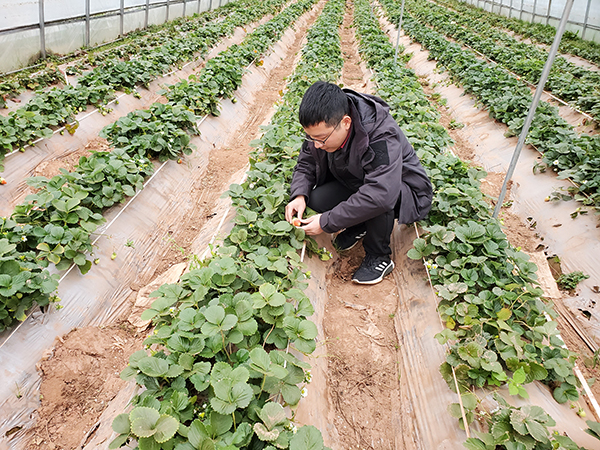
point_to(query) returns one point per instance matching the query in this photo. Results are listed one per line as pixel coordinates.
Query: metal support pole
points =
(511, 9)
(167, 19)
(549, 10)
(521, 11)
(210, 6)
(585, 21)
(534, 103)
(147, 12)
(534, 11)
(184, 5)
(398, 35)
(42, 30)
(199, 4)
(121, 17)
(87, 23)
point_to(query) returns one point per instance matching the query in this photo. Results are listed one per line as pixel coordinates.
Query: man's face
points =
(329, 138)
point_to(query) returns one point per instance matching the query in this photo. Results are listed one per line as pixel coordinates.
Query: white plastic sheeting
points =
(584, 18)
(65, 24)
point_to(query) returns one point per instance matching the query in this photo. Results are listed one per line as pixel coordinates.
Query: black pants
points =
(379, 229)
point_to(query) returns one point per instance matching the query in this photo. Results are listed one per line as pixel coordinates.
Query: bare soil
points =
(80, 376)
(68, 161)
(363, 362)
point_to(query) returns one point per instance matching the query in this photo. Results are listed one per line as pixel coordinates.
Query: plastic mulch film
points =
(424, 392)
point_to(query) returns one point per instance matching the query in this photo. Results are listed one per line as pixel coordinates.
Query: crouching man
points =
(357, 169)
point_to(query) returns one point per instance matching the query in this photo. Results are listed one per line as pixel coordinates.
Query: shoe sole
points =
(386, 272)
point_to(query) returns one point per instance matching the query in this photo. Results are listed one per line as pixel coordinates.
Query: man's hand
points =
(295, 208)
(311, 225)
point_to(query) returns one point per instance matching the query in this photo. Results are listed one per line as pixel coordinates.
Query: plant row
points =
(508, 100)
(220, 371)
(83, 60)
(496, 323)
(566, 80)
(56, 224)
(18, 83)
(538, 32)
(58, 107)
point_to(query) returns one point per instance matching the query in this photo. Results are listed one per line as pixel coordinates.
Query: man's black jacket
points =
(380, 156)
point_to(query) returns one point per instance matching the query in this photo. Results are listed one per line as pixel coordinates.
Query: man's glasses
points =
(319, 141)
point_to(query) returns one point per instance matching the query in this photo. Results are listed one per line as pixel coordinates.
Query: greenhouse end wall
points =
(30, 29)
(583, 20)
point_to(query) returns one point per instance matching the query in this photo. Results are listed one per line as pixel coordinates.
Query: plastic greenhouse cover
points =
(66, 37)
(16, 50)
(16, 14)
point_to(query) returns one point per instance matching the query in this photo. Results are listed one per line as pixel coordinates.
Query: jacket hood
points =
(371, 110)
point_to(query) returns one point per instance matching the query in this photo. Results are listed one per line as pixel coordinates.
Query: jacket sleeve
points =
(382, 165)
(305, 174)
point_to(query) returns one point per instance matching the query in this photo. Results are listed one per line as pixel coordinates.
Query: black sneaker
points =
(348, 238)
(373, 269)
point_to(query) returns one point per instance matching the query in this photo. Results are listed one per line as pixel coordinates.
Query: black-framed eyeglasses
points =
(319, 141)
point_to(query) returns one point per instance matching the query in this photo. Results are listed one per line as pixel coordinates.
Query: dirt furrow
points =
(362, 347)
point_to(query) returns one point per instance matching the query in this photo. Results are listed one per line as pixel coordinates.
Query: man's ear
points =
(346, 122)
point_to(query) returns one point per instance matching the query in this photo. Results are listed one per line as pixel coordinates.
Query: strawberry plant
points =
(160, 132)
(57, 224)
(508, 100)
(537, 32)
(12, 87)
(23, 281)
(566, 80)
(110, 177)
(58, 107)
(221, 367)
(497, 325)
(569, 281)
(514, 428)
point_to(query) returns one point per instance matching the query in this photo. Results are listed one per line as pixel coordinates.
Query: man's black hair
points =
(323, 102)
